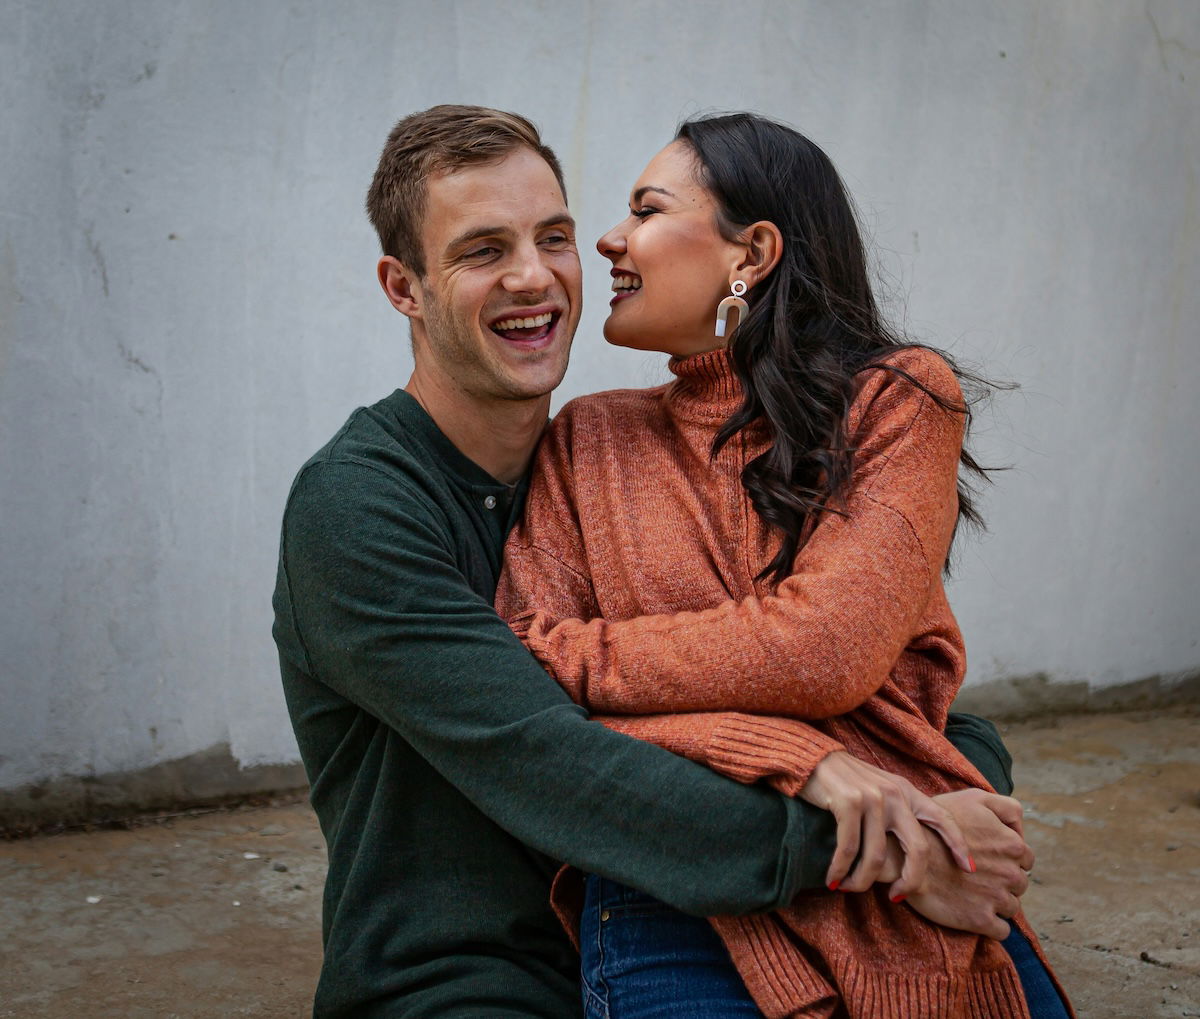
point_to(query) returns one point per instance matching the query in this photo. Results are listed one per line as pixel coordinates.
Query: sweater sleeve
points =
(545, 570)
(831, 634)
(782, 752)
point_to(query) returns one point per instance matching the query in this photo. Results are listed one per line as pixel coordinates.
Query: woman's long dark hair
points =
(813, 324)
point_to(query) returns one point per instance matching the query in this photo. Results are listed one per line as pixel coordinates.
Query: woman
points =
(765, 535)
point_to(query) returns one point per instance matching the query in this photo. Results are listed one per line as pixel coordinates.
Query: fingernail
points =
(971, 861)
(897, 898)
(834, 885)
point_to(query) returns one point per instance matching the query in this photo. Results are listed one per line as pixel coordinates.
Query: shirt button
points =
(490, 502)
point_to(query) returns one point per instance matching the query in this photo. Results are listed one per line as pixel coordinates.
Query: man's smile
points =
(530, 329)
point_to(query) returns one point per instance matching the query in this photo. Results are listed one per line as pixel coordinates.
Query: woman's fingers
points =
(868, 804)
(873, 851)
(849, 838)
(934, 816)
(899, 819)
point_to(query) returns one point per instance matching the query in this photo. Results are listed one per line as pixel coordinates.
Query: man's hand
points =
(870, 804)
(980, 901)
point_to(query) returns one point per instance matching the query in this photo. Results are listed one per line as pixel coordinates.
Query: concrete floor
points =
(217, 914)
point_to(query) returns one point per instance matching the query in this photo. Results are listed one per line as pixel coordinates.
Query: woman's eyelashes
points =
(643, 212)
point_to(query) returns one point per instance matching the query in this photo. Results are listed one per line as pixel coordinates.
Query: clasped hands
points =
(959, 859)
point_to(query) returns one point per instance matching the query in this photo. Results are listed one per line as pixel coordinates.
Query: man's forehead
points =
(512, 186)
(511, 195)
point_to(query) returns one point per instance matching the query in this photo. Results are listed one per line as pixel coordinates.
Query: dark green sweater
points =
(449, 772)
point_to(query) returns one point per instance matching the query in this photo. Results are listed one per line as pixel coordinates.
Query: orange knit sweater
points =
(632, 581)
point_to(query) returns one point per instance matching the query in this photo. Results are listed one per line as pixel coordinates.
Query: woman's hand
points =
(869, 804)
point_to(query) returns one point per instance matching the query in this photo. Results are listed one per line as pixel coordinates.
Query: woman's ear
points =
(400, 285)
(763, 244)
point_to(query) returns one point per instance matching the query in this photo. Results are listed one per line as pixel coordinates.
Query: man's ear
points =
(401, 285)
(763, 243)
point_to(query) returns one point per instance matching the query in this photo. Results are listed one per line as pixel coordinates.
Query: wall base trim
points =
(205, 778)
(1020, 697)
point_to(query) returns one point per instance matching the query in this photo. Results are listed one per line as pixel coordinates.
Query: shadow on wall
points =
(206, 778)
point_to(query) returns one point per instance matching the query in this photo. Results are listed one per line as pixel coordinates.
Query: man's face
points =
(502, 291)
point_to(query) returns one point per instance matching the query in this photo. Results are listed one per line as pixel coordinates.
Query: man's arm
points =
(383, 615)
(978, 740)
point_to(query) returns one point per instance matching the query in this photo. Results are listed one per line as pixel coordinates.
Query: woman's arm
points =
(831, 634)
(868, 803)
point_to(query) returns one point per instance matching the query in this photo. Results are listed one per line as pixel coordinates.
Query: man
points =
(449, 772)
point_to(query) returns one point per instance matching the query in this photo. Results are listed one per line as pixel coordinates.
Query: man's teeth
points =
(626, 283)
(525, 323)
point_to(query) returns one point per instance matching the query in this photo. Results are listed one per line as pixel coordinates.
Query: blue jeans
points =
(1040, 994)
(641, 959)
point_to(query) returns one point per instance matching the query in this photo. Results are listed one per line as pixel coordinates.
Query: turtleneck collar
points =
(705, 385)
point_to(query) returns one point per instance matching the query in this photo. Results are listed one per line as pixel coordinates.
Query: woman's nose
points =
(612, 244)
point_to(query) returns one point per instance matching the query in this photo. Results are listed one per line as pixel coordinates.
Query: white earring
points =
(734, 300)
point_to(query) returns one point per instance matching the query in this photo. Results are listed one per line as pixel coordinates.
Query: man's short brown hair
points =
(439, 140)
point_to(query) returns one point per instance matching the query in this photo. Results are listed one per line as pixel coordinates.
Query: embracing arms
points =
(373, 604)
(821, 645)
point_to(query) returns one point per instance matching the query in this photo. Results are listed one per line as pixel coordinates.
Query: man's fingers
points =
(996, 928)
(1026, 860)
(1008, 810)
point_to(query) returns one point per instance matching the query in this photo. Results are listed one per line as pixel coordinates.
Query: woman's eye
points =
(643, 212)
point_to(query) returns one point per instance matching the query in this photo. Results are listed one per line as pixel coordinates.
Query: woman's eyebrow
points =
(640, 193)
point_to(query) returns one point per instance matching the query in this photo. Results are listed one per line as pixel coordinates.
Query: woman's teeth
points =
(524, 323)
(620, 283)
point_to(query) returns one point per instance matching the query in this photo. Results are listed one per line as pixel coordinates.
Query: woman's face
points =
(671, 266)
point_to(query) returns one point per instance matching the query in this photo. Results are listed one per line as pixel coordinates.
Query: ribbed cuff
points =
(521, 624)
(691, 740)
(783, 751)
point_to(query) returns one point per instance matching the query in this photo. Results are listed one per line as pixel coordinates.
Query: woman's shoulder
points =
(909, 373)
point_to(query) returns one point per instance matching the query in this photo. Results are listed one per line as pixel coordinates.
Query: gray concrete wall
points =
(188, 308)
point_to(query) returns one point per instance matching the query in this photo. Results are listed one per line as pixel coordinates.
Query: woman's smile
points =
(625, 284)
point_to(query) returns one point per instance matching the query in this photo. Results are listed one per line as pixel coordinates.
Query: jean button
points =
(490, 502)
(604, 914)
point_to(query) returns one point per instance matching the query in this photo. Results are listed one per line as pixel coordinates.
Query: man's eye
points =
(482, 252)
(556, 239)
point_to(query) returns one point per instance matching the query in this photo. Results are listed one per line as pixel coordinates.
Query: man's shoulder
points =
(376, 435)
(379, 446)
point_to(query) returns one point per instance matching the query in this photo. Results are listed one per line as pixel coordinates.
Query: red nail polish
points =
(897, 898)
(971, 861)
(834, 885)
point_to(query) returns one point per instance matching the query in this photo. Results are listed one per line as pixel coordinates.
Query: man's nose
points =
(612, 244)
(529, 271)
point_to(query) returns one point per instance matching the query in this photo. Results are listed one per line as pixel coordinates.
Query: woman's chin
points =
(618, 337)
